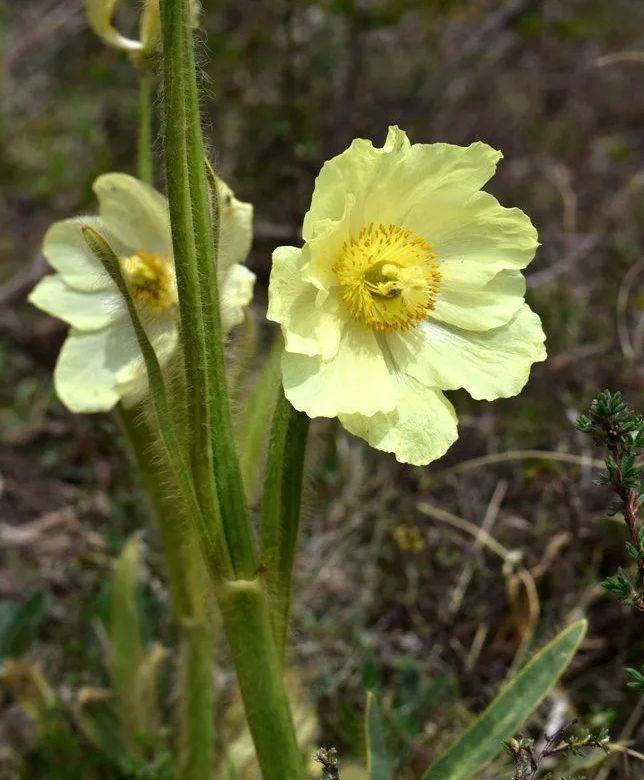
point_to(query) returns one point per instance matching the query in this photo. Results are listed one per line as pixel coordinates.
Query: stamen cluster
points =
(389, 278)
(149, 279)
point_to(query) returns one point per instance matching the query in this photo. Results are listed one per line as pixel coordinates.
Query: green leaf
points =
(125, 645)
(95, 715)
(19, 623)
(510, 709)
(378, 762)
(196, 724)
(281, 509)
(253, 429)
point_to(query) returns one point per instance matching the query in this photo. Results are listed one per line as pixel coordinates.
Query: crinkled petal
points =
(475, 306)
(99, 15)
(322, 250)
(67, 252)
(348, 174)
(356, 380)
(86, 372)
(387, 181)
(419, 430)
(488, 364)
(236, 228)
(473, 235)
(134, 212)
(415, 175)
(312, 324)
(236, 294)
(82, 310)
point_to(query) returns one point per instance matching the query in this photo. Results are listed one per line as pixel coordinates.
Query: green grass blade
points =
(254, 428)
(20, 622)
(125, 644)
(281, 509)
(510, 709)
(378, 761)
(126, 649)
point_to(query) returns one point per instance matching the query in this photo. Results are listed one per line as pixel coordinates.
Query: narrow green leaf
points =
(95, 715)
(125, 649)
(147, 687)
(281, 509)
(196, 700)
(378, 762)
(510, 709)
(253, 429)
(19, 623)
(125, 646)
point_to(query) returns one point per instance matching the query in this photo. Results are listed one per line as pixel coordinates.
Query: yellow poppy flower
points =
(100, 363)
(409, 283)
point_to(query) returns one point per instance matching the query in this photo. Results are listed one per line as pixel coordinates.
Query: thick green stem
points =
(205, 213)
(198, 377)
(259, 670)
(144, 144)
(281, 509)
(242, 601)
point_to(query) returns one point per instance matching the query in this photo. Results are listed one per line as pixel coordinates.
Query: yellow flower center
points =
(388, 277)
(149, 279)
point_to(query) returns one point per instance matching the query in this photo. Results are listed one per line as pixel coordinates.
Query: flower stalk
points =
(205, 212)
(250, 634)
(243, 603)
(185, 257)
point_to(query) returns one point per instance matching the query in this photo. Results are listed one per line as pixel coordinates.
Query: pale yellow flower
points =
(409, 283)
(100, 363)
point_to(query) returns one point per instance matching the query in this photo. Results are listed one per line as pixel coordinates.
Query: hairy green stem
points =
(144, 141)
(198, 377)
(205, 213)
(242, 601)
(208, 526)
(259, 670)
(281, 509)
(183, 564)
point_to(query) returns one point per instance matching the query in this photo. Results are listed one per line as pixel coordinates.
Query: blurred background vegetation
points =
(398, 591)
